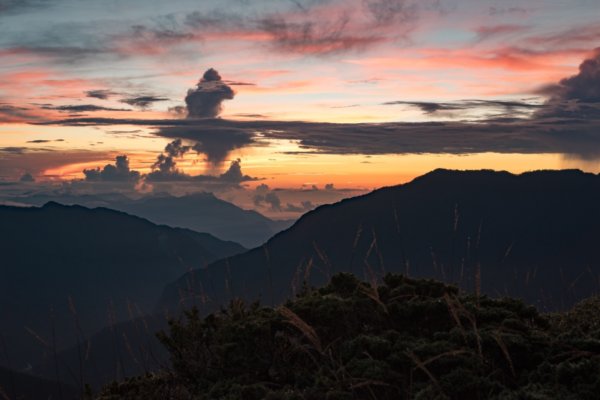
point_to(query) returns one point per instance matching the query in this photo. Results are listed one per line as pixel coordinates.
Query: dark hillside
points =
(533, 236)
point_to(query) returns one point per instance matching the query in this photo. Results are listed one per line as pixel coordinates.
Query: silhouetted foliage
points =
(402, 339)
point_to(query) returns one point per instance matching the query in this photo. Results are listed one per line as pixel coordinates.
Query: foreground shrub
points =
(403, 339)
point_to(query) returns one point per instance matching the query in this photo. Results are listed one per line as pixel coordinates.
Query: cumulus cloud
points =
(270, 198)
(569, 124)
(178, 111)
(205, 101)
(216, 142)
(265, 197)
(234, 173)
(176, 148)
(577, 96)
(119, 172)
(165, 168)
(27, 177)
(304, 206)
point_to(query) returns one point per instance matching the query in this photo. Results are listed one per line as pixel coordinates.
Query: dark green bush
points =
(404, 339)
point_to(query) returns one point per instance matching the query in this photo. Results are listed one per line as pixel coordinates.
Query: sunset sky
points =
(299, 102)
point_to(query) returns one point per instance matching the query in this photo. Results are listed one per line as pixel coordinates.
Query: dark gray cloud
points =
(26, 178)
(82, 108)
(265, 197)
(269, 199)
(176, 148)
(165, 168)
(40, 141)
(576, 136)
(143, 101)
(577, 96)
(215, 142)
(12, 113)
(102, 94)
(304, 206)
(234, 174)
(246, 115)
(13, 150)
(66, 54)
(237, 83)
(569, 123)
(585, 86)
(179, 111)
(119, 172)
(434, 107)
(205, 101)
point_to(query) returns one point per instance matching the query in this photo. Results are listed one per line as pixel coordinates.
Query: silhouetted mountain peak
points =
(200, 212)
(54, 204)
(103, 261)
(533, 235)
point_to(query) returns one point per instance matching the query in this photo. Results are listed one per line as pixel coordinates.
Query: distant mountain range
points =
(535, 236)
(201, 212)
(68, 271)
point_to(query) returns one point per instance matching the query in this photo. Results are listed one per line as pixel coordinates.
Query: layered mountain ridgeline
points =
(400, 339)
(201, 212)
(533, 236)
(68, 271)
(15, 385)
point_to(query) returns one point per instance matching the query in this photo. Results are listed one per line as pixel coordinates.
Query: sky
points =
(283, 105)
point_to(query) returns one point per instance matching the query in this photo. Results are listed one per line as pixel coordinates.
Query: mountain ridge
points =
(71, 265)
(489, 195)
(200, 212)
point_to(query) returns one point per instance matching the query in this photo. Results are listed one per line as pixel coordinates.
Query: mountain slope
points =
(68, 271)
(201, 212)
(533, 236)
